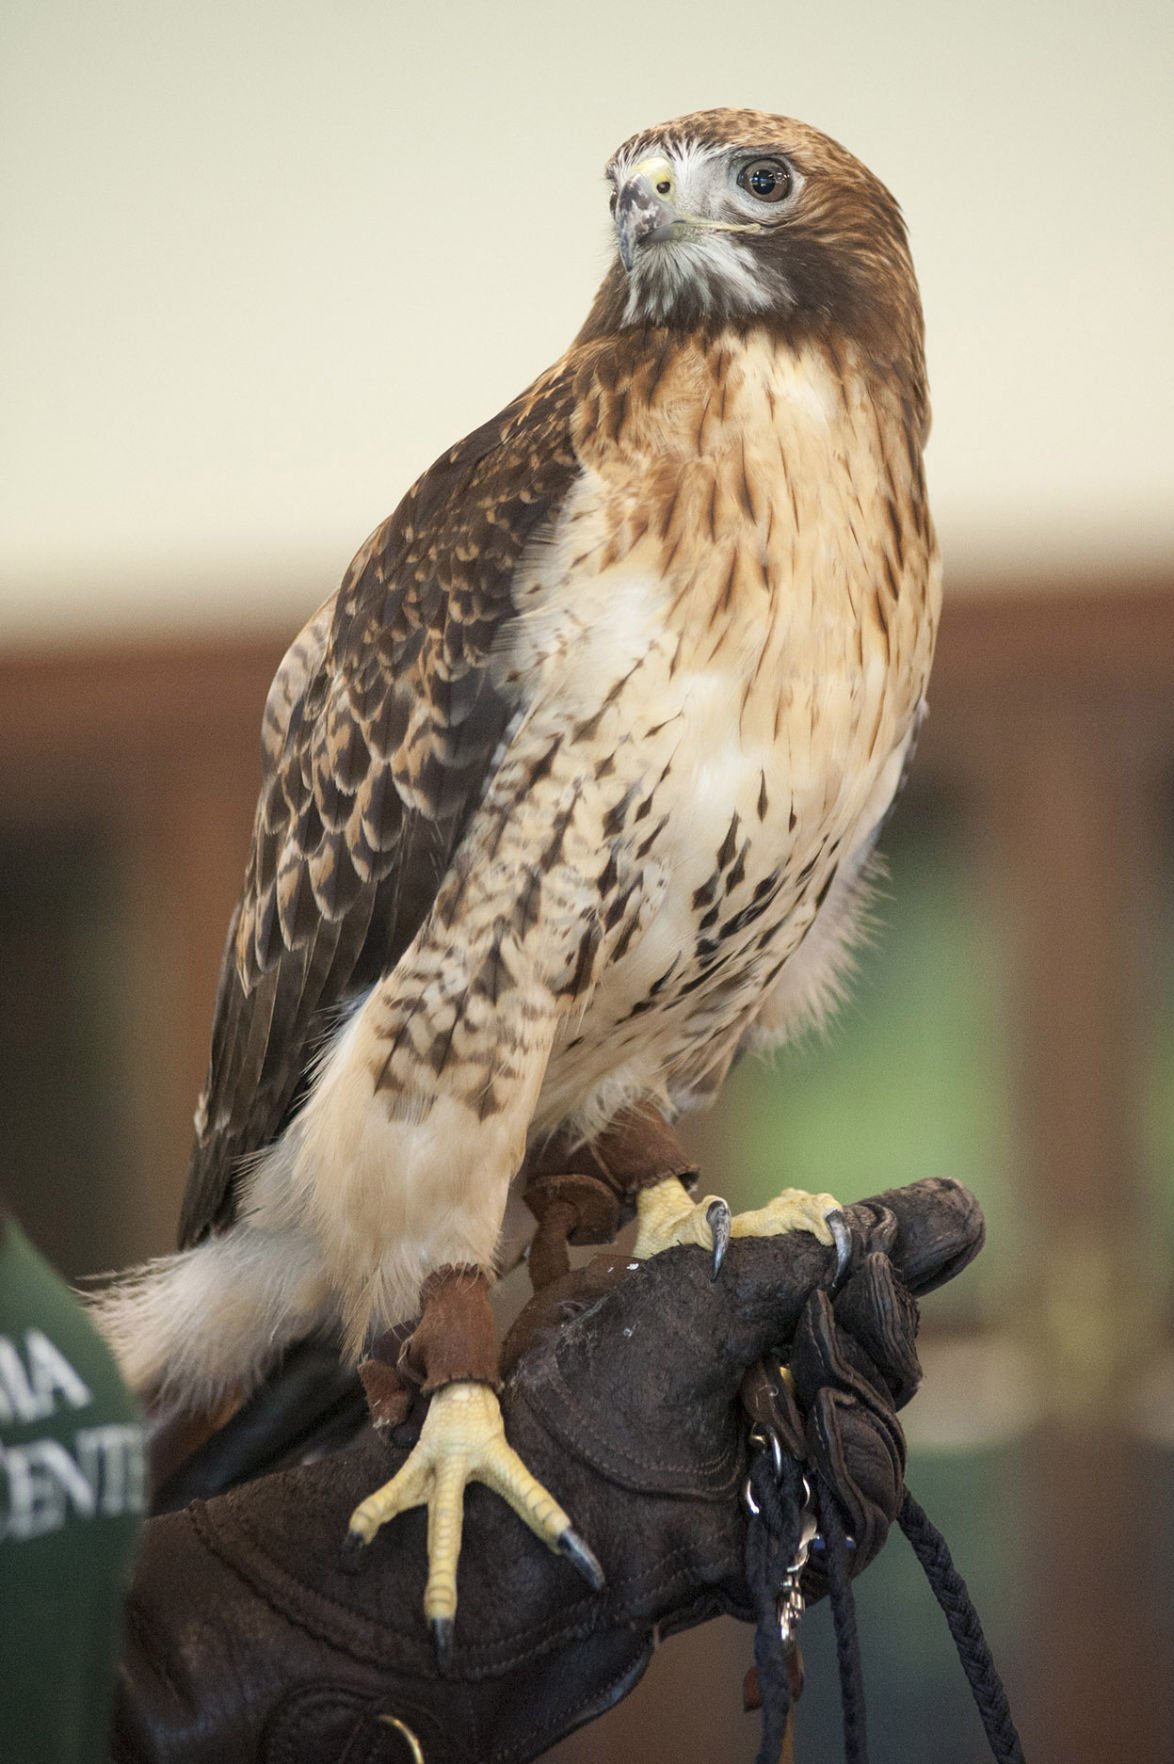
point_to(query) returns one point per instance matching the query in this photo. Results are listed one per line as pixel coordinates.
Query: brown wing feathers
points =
(379, 732)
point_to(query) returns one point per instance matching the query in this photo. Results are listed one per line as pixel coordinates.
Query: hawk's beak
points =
(641, 215)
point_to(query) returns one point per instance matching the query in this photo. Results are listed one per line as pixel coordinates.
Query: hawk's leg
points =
(582, 1193)
(641, 1159)
(452, 1356)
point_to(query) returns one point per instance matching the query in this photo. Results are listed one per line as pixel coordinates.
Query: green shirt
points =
(72, 1489)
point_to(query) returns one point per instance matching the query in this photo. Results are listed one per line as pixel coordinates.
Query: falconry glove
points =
(251, 1636)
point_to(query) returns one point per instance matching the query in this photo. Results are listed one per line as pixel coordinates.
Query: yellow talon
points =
(463, 1440)
(791, 1210)
(667, 1217)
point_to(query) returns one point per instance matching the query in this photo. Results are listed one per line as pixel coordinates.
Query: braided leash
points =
(949, 1589)
(778, 1497)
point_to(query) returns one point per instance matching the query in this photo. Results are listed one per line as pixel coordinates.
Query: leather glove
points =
(251, 1637)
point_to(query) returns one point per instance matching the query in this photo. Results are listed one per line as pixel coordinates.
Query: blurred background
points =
(262, 263)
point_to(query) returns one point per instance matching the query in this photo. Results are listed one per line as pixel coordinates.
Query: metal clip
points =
(763, 1438)
(790, 1603)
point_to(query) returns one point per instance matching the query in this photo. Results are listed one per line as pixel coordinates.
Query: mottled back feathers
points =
(378, 733)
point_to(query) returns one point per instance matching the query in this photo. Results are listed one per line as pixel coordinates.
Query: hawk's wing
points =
(379, 731)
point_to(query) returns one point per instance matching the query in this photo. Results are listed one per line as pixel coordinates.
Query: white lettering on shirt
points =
(29, 1387)
(46, 1482)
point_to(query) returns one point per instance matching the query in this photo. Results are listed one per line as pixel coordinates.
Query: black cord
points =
(772, 1539)
(844, 1623)
(949, 1589)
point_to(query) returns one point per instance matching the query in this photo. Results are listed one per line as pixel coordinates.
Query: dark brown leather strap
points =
(455, 1339)
(582, 1193)
(637, 1151)
(570, 1208)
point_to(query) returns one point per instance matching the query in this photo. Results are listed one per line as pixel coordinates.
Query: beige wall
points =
(265, 260)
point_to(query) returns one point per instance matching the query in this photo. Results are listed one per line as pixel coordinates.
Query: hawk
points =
(568, 794)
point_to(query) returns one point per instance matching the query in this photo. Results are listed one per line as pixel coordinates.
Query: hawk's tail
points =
(193, 1329)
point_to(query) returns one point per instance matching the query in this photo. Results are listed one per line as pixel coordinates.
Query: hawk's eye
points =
(768, 179)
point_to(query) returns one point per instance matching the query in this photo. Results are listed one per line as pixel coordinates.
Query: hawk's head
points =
(735, 217)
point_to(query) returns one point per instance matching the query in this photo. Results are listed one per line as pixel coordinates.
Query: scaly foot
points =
(793, 1209)
(667, 1216)
(463, 1440)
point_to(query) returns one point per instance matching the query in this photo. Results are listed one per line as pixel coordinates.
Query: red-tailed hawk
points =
(568, 790)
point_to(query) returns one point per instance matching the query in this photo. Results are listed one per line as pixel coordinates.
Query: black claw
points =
(354, 1543)
(717, 1216)
(571, 1545)
(442, 1637)
(842, 1238)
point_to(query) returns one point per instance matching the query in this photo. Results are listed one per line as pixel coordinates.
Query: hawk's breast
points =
(729, 638)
